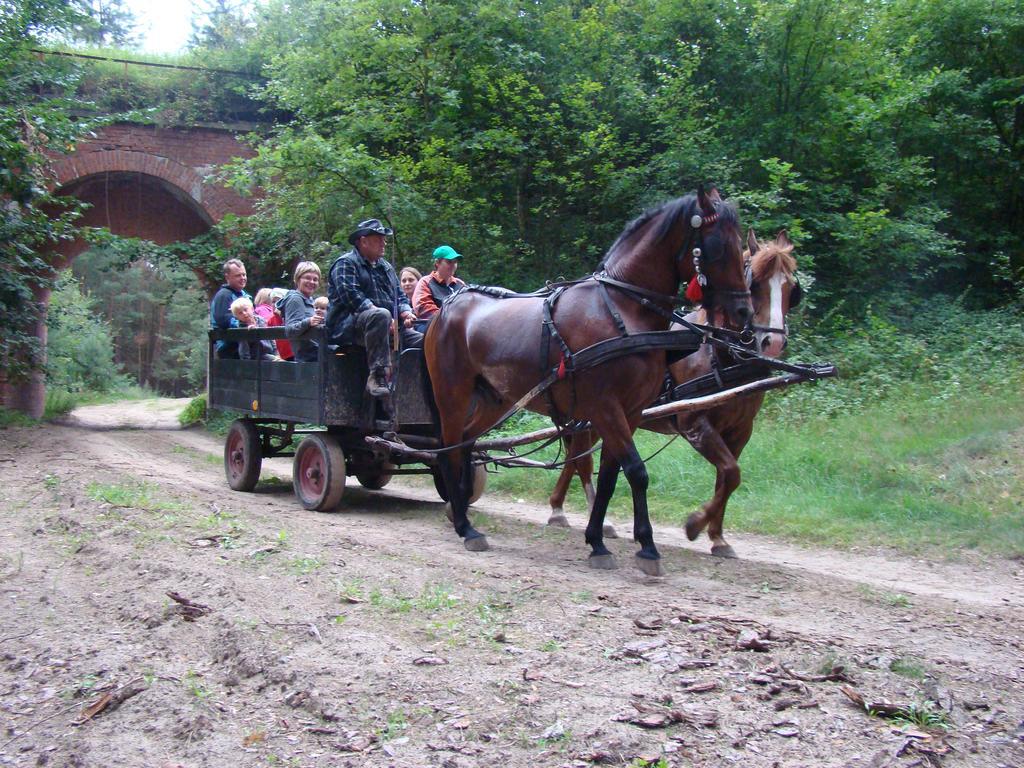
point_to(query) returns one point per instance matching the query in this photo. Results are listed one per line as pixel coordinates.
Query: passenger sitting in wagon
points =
(266, 307)
(299, 314)
(220, 306)
(433, 289)
(257, 349)
(365, 296)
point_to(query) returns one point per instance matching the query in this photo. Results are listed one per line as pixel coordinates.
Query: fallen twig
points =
(17, 637)
(190, 611)
(113, 699)
(836, 675)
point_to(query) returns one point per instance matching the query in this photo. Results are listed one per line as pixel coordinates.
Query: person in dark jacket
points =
(365, 302)
(220, 306)
(298, 312)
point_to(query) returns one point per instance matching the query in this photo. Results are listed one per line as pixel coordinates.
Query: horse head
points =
(713, 256)
(774, 290)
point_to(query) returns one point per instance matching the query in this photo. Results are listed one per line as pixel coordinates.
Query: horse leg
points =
(456, 466)
(457, 471)
(712, 446)
(647, 559)
(577, 445)
(730, 481)
(557, 498)
(607, 476)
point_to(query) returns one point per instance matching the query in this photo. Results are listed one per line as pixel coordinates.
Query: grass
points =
(909, 668)
(9, 418)
(915, 473)
(924, 714)
(136, 495)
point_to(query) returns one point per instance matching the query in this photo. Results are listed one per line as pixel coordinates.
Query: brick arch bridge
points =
(140, 181)
(149, 182)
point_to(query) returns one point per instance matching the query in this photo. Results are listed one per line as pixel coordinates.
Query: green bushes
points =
(80, 350)
(194, 413)
(934, 352)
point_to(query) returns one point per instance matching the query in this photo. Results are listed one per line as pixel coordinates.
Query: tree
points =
(104, 23)
(35, 119)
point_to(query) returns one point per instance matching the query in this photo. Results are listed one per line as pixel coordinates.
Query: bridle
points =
(693, 245)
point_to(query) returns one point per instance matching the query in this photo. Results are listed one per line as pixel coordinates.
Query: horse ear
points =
(751, 242)
(704, 201)
(783, 239)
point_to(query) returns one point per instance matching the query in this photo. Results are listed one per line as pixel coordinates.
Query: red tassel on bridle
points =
(694, 293)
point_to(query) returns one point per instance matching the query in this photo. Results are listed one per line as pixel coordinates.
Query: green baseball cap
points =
(446, 252)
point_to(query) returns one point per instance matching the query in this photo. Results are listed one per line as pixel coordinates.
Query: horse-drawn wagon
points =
(320, 414)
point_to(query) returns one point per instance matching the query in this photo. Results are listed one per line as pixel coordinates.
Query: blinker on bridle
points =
(695, 290)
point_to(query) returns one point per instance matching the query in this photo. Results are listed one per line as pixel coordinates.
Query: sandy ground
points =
(371, 637)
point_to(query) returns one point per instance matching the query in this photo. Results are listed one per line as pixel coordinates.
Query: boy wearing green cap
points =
(433, 289)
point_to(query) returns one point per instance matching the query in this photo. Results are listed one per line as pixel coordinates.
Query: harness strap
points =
(616, 317)
(565, 363)
(636, 290)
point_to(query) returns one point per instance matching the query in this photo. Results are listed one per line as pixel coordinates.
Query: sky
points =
(163, 25)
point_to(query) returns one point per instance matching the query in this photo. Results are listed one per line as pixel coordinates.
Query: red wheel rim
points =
(312, 473)
(236, 454)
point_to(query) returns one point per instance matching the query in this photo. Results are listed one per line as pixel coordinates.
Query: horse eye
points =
(795, 294)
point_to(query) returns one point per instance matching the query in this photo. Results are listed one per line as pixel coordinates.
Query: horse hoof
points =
(448, 512)
(648, 566)
(602, 562)
(694, 526)
(558, 520)
(609, 531)
(477, 544)
(724, 551)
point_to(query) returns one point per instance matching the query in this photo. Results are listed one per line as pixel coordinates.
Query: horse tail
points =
(428, 398)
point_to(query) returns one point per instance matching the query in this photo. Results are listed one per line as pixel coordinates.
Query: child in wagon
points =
(259, 349)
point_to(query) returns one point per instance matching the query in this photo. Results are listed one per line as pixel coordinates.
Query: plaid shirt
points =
(354, 285)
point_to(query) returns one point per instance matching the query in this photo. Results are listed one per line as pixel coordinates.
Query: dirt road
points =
(370, 637)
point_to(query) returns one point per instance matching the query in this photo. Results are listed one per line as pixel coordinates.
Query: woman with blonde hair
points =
(298, 311)
(407, 278)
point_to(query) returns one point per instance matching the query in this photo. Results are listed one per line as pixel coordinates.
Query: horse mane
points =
(772, 258)
(670, 212)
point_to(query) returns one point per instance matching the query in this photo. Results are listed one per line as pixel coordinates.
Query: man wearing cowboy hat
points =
(363, 291)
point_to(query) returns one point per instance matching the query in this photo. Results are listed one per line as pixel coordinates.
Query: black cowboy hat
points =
(369, 227)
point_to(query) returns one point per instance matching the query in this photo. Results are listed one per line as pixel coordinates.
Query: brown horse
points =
(719, 433)
(486, 352)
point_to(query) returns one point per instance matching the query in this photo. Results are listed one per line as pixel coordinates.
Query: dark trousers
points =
(373, 326)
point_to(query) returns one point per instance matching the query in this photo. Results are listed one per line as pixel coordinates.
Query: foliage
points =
(103, 22)
(80, 353)
(939, 349)
(32, 220)
(9, 418)
(530, 135)
(156, 315)
(194, 413)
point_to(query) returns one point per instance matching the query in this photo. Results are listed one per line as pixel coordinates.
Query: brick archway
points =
(141, 181)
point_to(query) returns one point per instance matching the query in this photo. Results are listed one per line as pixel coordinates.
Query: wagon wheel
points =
(377, 477)
(479, 483)
(318, 472)
(243, 455)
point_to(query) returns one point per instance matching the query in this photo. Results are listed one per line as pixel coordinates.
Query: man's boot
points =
(377, 383)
